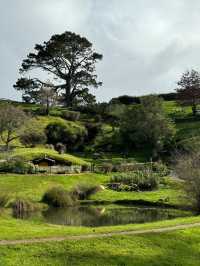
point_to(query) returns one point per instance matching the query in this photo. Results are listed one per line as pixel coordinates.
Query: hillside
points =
(30, 154)
(103, 133)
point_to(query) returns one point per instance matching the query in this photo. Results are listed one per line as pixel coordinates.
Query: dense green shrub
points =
(17, 166)
(58, 197)
(70, 115)
(136, 181)
(146, 126)
(93, 130)
(71, 135)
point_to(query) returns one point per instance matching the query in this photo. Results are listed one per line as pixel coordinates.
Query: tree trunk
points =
(67, 96)
(194, 109)
(7, 146)
(47, 107)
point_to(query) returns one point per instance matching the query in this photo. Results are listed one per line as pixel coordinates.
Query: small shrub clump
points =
(58, 197)
(3, 200)
(134, 181)
(84, 191)
(22, 208)
(22, 205)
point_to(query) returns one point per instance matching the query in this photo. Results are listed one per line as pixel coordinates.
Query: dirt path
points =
(100, 235)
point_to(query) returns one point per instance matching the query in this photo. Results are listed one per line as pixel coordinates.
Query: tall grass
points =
(83, 191)
(58, 197)
(3, 200)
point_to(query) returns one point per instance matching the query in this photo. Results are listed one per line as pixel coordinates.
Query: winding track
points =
(100, 235)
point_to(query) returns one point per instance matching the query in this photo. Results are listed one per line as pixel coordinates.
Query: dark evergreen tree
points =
(70, 60)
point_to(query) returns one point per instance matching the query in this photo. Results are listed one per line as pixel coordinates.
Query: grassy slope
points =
(11, 228)
(44, 121)
(33, 187)
(181, 248)
(185, 129)
(29, 154)
(188, 129)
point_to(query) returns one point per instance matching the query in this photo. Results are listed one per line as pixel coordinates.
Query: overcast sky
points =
(146, 44)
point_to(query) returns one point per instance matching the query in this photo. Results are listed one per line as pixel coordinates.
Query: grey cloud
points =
(146, 44)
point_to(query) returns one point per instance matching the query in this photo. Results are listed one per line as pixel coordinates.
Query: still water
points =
(103, 215)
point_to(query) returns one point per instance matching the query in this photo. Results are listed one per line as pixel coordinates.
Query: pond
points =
(106, 215)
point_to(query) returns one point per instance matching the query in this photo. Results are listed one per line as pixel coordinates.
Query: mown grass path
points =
(100, 235)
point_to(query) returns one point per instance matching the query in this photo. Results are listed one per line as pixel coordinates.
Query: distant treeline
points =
(123, 99)
(126, 99)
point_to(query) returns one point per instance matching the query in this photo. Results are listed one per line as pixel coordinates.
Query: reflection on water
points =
(105, 215)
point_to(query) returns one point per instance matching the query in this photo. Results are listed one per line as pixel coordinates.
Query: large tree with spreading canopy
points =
(70, 60)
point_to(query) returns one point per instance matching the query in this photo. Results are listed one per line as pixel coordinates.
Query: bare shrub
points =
(188, 169)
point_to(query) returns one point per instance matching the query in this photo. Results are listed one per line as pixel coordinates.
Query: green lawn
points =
(166, 195)
(11, 228)
(175, 110)
(181, 248)
(33, 187)
(185, 129)
(188, 129)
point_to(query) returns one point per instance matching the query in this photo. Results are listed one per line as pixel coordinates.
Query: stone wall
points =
(60, 169)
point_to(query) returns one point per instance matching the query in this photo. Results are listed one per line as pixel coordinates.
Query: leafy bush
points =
(93, 129)
(17, 166)
(70, 115)
(69, 134)
(136, 181)
(146, 126)
(58, 197)
(84, 191)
